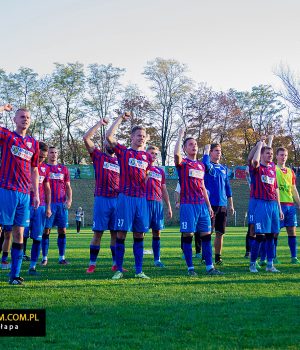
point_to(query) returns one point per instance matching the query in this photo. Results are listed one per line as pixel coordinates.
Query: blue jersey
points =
(217, 182)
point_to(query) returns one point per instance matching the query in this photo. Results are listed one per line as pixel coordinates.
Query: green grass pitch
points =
(170, 311)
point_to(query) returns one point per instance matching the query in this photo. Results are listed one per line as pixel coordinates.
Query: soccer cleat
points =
(295, 261)
(16, 281)
(26, 257)
(33, 272)
(117, 276)
(91, 269)
(192, 273)
(115, 268)
(5, 265)
(247, 255)
(272, 269)
(44, 262)
(215, 272)
(262, 263)
(258, 267)
(276, 261)
(198, 256)
(142, 275)
(63, 262)
(219, 262)
(253, 268)
(158, 263)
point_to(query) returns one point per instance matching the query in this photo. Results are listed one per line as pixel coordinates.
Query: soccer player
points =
(288, 194)
(132, 213)
(61, 201)
(156, 190)
(195, 208)
(18, 172)
(38, 215)
(220, 194)
(107, 175)
(267, 208)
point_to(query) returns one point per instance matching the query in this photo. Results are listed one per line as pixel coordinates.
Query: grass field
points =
(169, 311)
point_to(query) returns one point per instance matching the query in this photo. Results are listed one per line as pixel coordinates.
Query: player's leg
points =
(61, 221)
(94, 250)
(25, 238)
(291, 225)
(156, 217)
(273, 226)
(198, 245)
(7, 238)
(220, 225)
(46, 235)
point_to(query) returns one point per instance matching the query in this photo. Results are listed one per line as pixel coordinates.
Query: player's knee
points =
(138, 239)
(155, 233)
(187, 239)
(206, 238)
(61, 231)
(62, 235)
(260, 238)
(45, 236)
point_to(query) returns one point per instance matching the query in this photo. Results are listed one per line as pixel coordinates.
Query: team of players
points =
(128, 197)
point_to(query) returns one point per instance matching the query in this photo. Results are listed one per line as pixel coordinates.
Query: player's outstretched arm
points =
(89, 144)
(110, 133)
(166, 198)
(7, 107)
(177, 151)
(35, 186)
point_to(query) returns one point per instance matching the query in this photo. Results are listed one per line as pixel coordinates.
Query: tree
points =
(169, 83)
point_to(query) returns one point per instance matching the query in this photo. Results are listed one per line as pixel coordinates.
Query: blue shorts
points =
(37, 223)
(59, 216)
(14, 208)
(251, 210)
(156, 215)
(266, 217)
(104, 213)
(290, 216)
(194, 218)
(132, 214)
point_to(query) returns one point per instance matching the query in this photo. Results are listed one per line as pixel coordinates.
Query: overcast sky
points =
(226, 43)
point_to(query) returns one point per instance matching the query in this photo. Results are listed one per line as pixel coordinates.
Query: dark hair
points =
(266, 148)
(188, 139)
(214, 145)
(43, 146)
(137, 127)
(281, 149)
(52, 147)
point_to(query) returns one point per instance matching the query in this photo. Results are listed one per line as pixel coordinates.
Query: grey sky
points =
(225, 43)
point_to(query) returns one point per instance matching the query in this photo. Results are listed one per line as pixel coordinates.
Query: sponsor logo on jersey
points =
(138, 163)
(199, 174)
(268, 180)
(21, 152)
(55, 176)
(112, 167)
(154, 175)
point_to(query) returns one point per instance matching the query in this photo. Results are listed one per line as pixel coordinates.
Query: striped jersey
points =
(216, 182)
(59, 176)
(263, 182)
(19, 155)
(286, 179)
(155, 179)
(133, 170)
(191, 179)
(43, 178)
(107, 174)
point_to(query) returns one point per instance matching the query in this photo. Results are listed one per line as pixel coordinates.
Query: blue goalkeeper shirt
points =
(217, 182)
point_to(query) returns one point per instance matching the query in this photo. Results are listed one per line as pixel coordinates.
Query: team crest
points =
(144, 156)
(43, 169)
(29, 144)
(59, 169)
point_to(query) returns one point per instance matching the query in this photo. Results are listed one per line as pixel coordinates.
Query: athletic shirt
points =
(286, 179)
(107, 174)
(59, 176)
(134, 166)
(191, 178)
(43, 178)
(19, 155)
(216, 182)
(155, 179)
(263, 181)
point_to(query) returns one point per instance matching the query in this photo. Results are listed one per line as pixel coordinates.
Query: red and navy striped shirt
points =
(107, 174)
(134, 166)
(263, 182)
(19, 155)
(155, 179)
(59, 176)
(191, 178)
(43, 178)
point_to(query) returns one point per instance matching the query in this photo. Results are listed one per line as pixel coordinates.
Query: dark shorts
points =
(218, 221)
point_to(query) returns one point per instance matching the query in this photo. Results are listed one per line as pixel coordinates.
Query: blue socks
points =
(188, 251)
(45, 245)
(4, 256)
(292, 240)
(113, 253)
(270, 248)
(275, 246)
(61, 243)
(16, 259)
(35, 250)
(120, 252)
(207, 251)
(138, 252)
(156, 248)
(94, 251)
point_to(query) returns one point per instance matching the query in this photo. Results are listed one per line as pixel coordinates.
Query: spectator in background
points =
(78, 217)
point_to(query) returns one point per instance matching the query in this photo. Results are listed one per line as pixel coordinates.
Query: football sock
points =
(138, 251)
(207, 251)
(270, 248)
(120, 252)
(198, 243)
(113, 253)
(94, 251)
(292, 240)
(16, 259)
(4, 256)
(35, 250)
(61, 243)
(45, 245)
(275, 246)
(24, 245)
(188, 251)
(262, 250)
(156, 248)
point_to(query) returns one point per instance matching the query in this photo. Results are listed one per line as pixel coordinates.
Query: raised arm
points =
(89, 144)
(7, 107)
(256, 157)
(110, 133)
(177, 151)
(270, 140)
